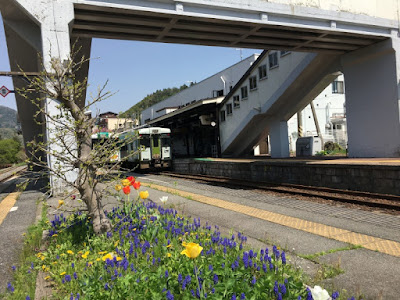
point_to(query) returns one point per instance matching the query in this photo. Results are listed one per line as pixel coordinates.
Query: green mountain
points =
(151, 99)
(8, 117)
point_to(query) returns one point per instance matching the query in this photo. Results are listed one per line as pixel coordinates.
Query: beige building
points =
(110, 122)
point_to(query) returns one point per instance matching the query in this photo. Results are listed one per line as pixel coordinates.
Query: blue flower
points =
(335, 295)
(242, 296)
(75, 276)
(10, 287)
(282, 287)
(233, 297)
(283, 256)
(169, 296)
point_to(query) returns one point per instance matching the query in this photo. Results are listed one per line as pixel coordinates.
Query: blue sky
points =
(136, 69)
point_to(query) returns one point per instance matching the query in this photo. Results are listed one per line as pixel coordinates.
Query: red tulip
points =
(127, 190)
(131, 179)
(136, 185)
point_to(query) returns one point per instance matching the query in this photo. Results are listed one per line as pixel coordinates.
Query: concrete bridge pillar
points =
(372, 89)
(279, 138)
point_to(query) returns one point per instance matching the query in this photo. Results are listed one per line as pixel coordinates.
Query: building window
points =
(273, 60)
(222, 116)
(337, 87)
(236, 101)
(253, 82)
(262, 72)
(229, 109)
(284, 52)
(245, 92)
(218, 93)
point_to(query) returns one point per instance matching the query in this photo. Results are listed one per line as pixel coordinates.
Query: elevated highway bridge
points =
(363, 36)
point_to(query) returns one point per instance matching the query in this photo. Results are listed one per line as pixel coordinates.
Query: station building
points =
(204, 117)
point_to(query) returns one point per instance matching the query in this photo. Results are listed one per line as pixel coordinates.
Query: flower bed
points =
(155, 253)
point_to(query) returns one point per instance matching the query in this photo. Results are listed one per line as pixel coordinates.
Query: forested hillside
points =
(151, 99)
(8, 117)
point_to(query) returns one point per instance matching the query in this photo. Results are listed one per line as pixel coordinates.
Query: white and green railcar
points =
(146, 148)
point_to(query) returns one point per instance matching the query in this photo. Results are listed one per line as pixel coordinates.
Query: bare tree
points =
(75, 162)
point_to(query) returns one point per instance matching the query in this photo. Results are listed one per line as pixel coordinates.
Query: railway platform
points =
(373, 175)
(339, 247)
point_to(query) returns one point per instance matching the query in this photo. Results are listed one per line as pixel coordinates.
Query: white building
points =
(330, 108)
(262, 92)
(214, 86)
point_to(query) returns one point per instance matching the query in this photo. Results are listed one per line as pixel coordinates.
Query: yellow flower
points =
(169, 255)
(98, 259)
(109, 256)
(47, 278)
(70, 252)
(169, 246)
(54, 263)
(55, 235)
(118, 187)
(116, 243)
(42, 257)
(125, 182)
(102, 252)
(85, 255)
(60, 202)
(192, 250)
(119, 258)
(43, 267)
(144, 194)
(90, 263)
(63, 273)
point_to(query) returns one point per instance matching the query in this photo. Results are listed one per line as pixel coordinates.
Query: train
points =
(143, 148)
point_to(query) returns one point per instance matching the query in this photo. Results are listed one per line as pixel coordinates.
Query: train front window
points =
(155, 140)
(145, 141)
(165, 142)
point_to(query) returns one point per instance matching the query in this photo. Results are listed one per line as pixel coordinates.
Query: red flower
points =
(127, 190)
(136, 185)
(131, 179)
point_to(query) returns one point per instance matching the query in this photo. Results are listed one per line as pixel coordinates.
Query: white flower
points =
(319, 294)
(164, 199)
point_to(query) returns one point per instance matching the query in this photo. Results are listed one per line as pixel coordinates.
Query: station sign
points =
(4, 91)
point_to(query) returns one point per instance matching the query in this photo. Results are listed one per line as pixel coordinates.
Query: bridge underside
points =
(181, 28)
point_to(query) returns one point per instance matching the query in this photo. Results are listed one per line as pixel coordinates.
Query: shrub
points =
(9, 149)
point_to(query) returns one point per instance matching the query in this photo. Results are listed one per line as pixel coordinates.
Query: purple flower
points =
(283, 256)
(75, 276)
(253, 282)
(335, 295)
(233, 297)
(242, 296)
(13, 268)
(67, 278)
(10, 287)
(28, 298)
(169, 296)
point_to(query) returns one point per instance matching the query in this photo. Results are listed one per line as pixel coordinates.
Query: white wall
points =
(257, 99)
(202, 90)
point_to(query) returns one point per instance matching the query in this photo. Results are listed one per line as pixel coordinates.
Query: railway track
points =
(9, 172)
(361, 199)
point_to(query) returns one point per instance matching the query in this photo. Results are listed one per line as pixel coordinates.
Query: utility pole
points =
(316, 123)
(299, 125)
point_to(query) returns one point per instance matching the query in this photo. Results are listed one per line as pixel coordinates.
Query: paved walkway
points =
(301, 228)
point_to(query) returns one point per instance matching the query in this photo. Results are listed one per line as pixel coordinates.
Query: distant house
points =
(110, 122)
